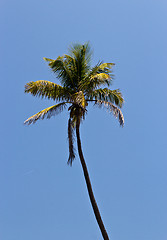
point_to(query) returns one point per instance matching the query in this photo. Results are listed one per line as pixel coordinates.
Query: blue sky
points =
(41, 197)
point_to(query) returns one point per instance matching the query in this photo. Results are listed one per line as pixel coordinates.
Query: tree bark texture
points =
(88, 183)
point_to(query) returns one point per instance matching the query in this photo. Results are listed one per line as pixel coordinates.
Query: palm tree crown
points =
(80, 84)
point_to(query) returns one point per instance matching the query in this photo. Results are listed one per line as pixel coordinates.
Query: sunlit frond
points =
(48, 89)
(106, 67)
(112, 108)
(48, 59)
(101, 67)
(71, 143)
(101, 77)
(46, 113)
(105, 94)
(95, 81)
(97, 76)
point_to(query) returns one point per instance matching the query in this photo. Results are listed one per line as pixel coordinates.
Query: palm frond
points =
(81, 50)
(95, 81)
(48, 89)
(60, 68)
(106, 67)
(72, 66)
(70, 61)
(97, 76)
(112, 108)
(101, 67)
(46, 113)
(71, 142)
(48, 59)
(103, 78)
(105, 94)
(82, 56)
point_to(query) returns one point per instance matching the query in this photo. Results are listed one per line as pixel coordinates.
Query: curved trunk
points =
(88, 183)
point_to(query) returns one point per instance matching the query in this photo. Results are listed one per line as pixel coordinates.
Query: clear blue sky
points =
(41, 197)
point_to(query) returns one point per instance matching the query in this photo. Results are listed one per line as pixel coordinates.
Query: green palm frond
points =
(106, 67)
(48, 60)
(71, 142)
(46, 113)
(112, 108)
(72, 67)
(81, 51)
(94, 70)
(101, 67)
(101, 77)
(48, 89)
(82, 57)
(105, 94)
(70, 61)
(60, 68)
(95, 81)
(97, 76)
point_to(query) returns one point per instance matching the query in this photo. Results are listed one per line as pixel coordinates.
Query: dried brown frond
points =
(46, 113)
(112, 108)
(71, 143)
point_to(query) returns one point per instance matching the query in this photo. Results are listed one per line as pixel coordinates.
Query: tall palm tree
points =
(79, 86)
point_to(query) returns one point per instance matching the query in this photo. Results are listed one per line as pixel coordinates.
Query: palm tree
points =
(79, 86)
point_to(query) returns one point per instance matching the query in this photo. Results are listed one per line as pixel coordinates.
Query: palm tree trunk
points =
(88, 183)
